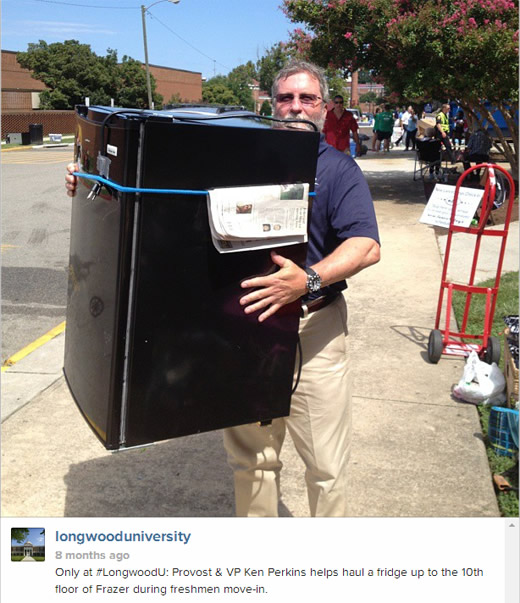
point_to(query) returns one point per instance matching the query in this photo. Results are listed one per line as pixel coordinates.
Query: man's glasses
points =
(305, 99)
(338, 102)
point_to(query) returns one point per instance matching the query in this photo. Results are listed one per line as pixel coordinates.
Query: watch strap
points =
(313, 280)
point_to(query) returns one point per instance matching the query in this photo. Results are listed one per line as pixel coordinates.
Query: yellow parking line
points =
(33, 346)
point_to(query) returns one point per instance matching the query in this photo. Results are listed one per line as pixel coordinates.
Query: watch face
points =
(313, 283)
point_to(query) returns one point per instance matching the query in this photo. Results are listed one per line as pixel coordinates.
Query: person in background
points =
(459, 130)
(476, 151)
(339, 123)
(385, 128)
(397, 132)
(403, 120)
(411, 129)
(442, 130)
(375, 145)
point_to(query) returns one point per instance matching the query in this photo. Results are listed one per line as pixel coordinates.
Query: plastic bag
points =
(481, 383)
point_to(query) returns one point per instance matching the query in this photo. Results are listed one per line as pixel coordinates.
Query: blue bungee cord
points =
(133, 189)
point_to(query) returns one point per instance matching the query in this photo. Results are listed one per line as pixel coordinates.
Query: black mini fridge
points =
(157, 345)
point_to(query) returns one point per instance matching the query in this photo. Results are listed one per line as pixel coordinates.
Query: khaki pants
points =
(319, 424)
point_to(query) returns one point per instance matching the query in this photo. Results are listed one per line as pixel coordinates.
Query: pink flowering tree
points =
(464, 50)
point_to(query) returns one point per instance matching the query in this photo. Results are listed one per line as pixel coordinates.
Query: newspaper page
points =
(256, 217)
(438, 209)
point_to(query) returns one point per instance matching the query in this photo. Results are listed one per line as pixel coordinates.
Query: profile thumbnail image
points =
(28, 544)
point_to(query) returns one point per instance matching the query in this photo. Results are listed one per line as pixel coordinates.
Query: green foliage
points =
(174, 99)
(240, 82)
(266, 108)
(419, 46)
(364, 76)
(507, 303)
(433, 49)
(269, 65)
(338, 84)
(368, 97)
(132, 90)
(72, 71)
(19, 534)
(233, 89)
(218, 93)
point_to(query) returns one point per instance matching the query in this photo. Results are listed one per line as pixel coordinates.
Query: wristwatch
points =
(313, 280)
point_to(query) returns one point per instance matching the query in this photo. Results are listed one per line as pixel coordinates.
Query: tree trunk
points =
(510, 150)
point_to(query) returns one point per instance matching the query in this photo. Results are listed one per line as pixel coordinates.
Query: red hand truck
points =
(453, 342)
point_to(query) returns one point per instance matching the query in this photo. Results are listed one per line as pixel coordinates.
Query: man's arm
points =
(350, 257)
(354, 129)
(355, 136)
(289, 283)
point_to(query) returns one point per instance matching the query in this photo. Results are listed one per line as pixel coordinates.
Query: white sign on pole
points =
(438, 209)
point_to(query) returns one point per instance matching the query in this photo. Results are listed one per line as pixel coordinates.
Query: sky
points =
(34, 538)
(207, 36)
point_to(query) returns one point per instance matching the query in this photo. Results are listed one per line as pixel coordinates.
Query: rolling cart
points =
(451, 342)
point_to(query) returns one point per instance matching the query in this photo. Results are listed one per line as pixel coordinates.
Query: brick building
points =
(20, 91)
(21, 96)
(377, 89)
(28, 550)
(259, 96)
(185, 84)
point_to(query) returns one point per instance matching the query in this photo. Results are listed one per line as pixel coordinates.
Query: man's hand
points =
(275, 290)
(71, 182)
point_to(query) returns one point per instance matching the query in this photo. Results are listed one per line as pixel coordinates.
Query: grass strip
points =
(507, 304)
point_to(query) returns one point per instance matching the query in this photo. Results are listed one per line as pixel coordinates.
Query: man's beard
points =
(317, 121)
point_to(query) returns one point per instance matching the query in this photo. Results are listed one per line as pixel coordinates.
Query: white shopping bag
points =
(481, 383)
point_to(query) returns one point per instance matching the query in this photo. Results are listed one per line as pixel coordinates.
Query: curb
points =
(41, 146)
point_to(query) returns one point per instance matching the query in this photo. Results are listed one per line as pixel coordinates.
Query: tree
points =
(19, 534)
(338, 84)
(236, 88)
(368, 97)
(131, 86)
(71, 72)
(269, 65)
(465, 50)
(266, 108)
(240, 81)
(218, 93)
(174, 99)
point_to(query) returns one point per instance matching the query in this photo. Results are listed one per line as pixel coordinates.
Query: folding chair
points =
(428, 156)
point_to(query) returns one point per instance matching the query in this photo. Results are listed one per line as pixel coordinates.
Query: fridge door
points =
(157, 344)
(99, 276)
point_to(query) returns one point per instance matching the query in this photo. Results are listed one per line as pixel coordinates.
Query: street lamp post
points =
(143, 13)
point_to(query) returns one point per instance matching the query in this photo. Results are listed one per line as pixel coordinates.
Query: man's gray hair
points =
(299, 66)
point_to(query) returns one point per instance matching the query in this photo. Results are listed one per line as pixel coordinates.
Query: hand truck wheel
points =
(492, 351)
(435, 346)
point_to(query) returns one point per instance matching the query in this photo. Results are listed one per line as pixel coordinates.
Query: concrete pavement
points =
(415, 450)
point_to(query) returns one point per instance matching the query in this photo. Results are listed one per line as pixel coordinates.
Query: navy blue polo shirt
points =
(343, 207)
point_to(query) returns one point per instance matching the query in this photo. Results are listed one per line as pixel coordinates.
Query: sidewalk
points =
(415, 450)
